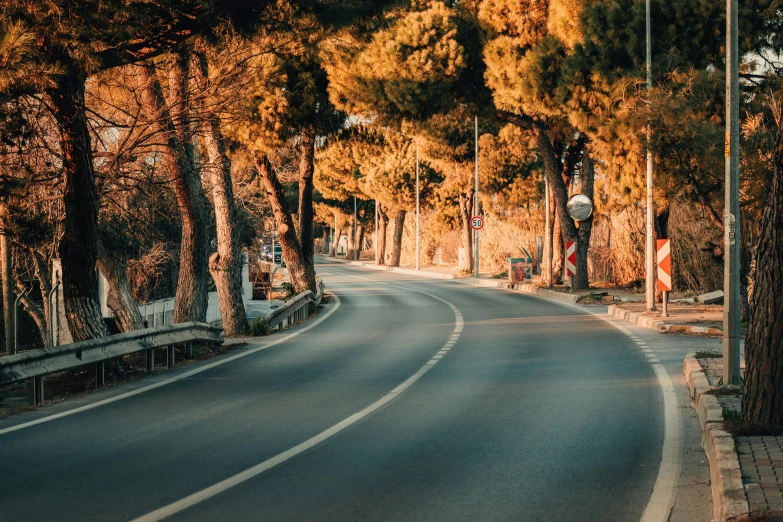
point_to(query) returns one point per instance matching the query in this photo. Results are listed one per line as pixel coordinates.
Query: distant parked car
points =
(267, 256)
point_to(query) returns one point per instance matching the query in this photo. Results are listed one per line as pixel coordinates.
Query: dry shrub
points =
(694, 269)
(144, 273)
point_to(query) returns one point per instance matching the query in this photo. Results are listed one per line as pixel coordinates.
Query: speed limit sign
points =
(476, 223)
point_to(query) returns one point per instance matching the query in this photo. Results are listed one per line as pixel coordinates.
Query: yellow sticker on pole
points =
(727, 147)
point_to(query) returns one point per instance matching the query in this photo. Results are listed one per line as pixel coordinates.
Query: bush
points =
(288, 288)
(259, 327)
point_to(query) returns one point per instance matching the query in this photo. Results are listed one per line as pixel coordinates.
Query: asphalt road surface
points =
(405, 399)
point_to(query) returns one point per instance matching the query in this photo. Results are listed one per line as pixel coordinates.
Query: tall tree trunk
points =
(191, 299)
(44, 276)
(350, 246)
(466, 232)
(358, 246)
(558, 250)
(325, 240)
(581, 280)
(383, 224)
(226, 264)
(553, 168)
(301, 273)
(37, 313)
(762, 401)
(120, 298)
(398, 224)
(6, 261)
(306, 172)
(337, 234)
(78, 245)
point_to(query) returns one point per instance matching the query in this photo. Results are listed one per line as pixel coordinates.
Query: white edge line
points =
(224, 485)
(172, 379)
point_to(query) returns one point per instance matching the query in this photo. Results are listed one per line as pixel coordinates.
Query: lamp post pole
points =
(650, 246)
(418, 212)
(731, 265)
(476, 204)
(376, 232)
(354, 229)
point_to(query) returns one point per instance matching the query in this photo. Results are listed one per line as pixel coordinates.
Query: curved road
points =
(531, 411)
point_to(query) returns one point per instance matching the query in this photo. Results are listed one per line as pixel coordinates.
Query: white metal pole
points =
(476, 205)
(418, 212)
(650, 246)
(355, 239)
(731, 265)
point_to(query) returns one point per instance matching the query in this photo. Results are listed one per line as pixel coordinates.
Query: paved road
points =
(534, 412)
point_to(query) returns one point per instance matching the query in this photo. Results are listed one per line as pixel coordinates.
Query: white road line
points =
(173, 379)
(220, 487)
(662, 498)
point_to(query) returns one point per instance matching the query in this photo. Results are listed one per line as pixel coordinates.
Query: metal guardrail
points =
(36, 364)
(298, 308)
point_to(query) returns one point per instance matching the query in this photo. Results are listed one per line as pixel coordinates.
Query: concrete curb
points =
(549, 294)
(728, 494)
(659, 325)
(638, 318)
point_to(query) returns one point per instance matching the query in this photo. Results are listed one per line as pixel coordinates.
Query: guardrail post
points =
(100, 374)
(189, 350)
(38, 390)
(150, 360)
(170, 356)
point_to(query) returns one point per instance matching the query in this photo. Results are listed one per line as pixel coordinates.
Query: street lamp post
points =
(731, 265)
(476, 204)
(650, 247)
(418, 205)
(547, 238)
(354, 229)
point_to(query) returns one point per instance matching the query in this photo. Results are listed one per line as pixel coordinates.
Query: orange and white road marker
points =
(570, 258)
(665, 272)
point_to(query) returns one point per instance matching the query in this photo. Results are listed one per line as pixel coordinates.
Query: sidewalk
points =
(757, 488)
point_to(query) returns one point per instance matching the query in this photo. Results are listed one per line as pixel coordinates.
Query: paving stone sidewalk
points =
(760, 457)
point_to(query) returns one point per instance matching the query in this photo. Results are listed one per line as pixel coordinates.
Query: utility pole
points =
(376, 231)
(649, 278)
(335, 239)
(418, 204)
(547, 238)
(731, 236)
(476, 205)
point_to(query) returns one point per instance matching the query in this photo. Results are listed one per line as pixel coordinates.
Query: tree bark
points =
(337, 234)
(398, 224)
(78, 245)
(325, 241)
(466, 232)
(558, 250)
(37, 313)
(225, 265)
(306, 172)
(762, 401)
(582, 280)
(383, 224)
(6, 261)
(350, 246)
(120, 298)
(301, 273)
(44, 276)
(191, 298)
(359, 242)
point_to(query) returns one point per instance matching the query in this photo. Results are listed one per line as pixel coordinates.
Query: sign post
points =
(571, 261)
(664, 272)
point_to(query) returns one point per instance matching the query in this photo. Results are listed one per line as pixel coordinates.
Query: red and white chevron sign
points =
(664, 265)
(570, 258)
